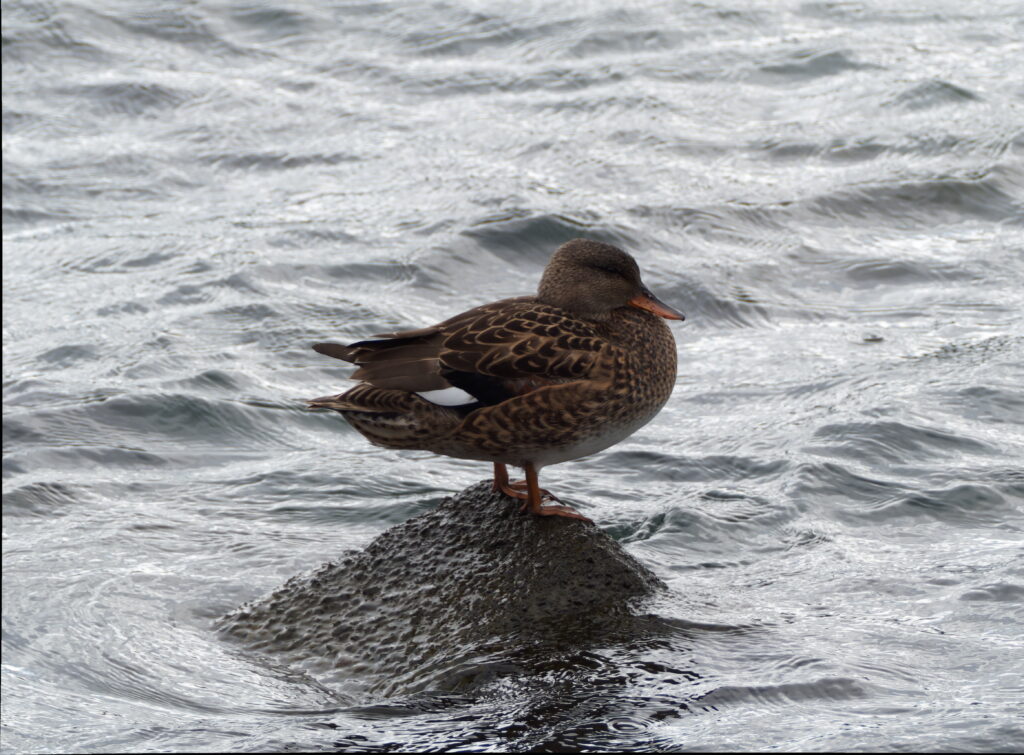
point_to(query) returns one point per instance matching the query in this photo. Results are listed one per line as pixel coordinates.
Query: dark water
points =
(193, 193)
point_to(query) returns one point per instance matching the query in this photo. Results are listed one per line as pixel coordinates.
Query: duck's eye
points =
(609, 270)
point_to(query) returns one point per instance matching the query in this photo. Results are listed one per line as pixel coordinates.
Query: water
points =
(832, 193)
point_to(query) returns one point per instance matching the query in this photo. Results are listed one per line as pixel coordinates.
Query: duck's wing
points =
(515, 348)
(492, 353)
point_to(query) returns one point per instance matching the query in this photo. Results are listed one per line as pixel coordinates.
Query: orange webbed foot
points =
(566, 511)
(532, 495)
(537, 495)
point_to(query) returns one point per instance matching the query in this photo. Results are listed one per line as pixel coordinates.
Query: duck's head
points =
(591, 279)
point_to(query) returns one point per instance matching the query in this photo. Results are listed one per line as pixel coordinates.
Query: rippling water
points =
(831, 191)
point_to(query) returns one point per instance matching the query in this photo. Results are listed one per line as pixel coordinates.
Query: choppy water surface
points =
(831, 191)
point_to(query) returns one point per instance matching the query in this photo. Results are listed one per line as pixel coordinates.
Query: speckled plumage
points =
(551, 383)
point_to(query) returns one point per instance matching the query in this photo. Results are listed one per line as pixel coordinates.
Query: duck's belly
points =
(603, 438)
(587, 441)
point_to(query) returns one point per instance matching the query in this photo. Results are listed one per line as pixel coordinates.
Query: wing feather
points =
(521, 339)
(494, 352)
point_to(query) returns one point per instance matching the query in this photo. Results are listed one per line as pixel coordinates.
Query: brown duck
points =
(529, 381)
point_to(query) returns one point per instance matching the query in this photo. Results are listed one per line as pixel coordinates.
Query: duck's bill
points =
(650, 302)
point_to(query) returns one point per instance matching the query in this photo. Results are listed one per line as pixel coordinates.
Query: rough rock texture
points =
(466, 580)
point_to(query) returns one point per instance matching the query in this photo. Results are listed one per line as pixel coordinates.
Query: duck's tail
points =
(390, 417)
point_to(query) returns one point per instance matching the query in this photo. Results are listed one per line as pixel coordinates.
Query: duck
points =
(529, 381)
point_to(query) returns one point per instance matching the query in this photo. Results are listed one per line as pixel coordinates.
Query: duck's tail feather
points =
(391, 418)
(408, 361)
(336, 350)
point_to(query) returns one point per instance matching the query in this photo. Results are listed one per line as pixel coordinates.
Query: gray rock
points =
(471, 579)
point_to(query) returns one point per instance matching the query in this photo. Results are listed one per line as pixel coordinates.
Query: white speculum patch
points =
(447, 397)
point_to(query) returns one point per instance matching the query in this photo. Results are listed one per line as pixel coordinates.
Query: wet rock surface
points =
(472, 578)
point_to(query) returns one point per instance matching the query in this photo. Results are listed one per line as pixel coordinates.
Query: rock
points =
(470, 578)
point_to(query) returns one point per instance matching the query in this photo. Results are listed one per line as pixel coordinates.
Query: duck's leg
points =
(518, 489)
(501, 483)
(535, 498)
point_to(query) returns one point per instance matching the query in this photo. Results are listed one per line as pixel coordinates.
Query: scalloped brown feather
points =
(517, 339)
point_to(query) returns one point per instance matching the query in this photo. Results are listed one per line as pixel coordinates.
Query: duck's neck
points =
(635, 328)
(577, 307)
